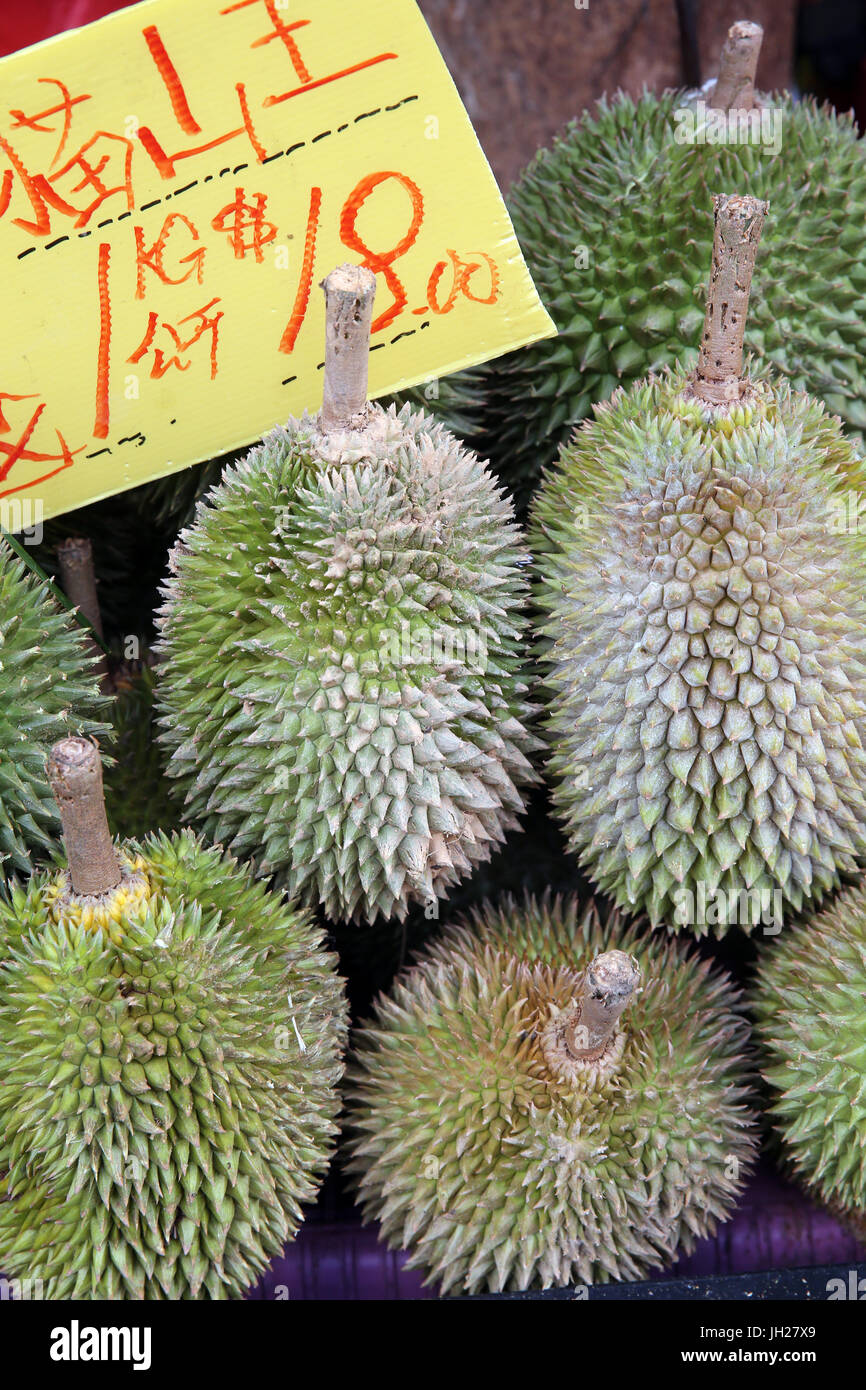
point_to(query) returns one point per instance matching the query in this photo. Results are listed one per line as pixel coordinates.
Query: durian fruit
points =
(455, 401)
(512, 1132)
(47, 689)
(810, 1022)
(341, 690)
(171, 1040)
(703, 590)
(170, 502)
(613, 220)
(532, 859)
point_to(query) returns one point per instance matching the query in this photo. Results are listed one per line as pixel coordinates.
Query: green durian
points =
(340, 684)
(614, 222)
(47, 689)
(703, 590)
(454, 401)
(511, 1134)
(808, 1003)
(532, 859)
(171, 1040)
(170, 502)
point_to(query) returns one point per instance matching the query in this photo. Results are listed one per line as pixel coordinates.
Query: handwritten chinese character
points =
(239, 217)
(206, 323)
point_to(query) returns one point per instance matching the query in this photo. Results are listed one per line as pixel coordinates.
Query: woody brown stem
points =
(75, 557)
(75, 773)
(78, 578)
(735, 85)
(608, 986)
(349, 294)
(738, 223)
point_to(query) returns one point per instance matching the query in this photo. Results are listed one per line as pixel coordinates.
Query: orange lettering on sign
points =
(461, 277)
(153, 259)
(245, 217)
(382, 262)
(65, 105)
(302, 298)
(162, 361)
(12, 454)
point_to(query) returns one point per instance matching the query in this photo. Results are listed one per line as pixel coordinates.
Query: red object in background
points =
(22, 25)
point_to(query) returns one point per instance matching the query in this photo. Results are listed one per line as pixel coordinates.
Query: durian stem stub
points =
(75, 773)
(738, 224)
(608, 986)
(735, 86)
(75, 558)
(78, 578)
(349, 294)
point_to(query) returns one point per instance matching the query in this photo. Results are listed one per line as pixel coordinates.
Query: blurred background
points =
(525, 67)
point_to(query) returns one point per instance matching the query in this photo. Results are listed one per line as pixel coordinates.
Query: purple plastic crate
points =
(775, 1227)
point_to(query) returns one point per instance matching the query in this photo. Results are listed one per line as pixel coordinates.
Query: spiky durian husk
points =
(496, 1173)
(172, 500)
(340, 687)
(137, 792)
(454, 401)
(704, 596)
(170, 1055)
(532, 859)
(618, 191)
(808, 1003)
(47, 692)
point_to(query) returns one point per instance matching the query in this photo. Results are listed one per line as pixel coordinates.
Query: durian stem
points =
(735, 85)
(609, 984)
(78, 579)
(75, 557)
(75, 773)
(349, 294)
(738, 223)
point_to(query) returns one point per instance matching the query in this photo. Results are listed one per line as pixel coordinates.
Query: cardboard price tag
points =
(176, 179)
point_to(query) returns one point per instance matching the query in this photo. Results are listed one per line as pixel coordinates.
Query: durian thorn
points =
(608, 985)
(735, 86)
(349, 294)
(78, 581)
(74, 770)
(738, 222)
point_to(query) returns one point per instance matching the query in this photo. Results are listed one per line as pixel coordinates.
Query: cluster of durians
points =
(552, 1094)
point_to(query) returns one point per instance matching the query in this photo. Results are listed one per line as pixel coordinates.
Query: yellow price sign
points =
(176, 179)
